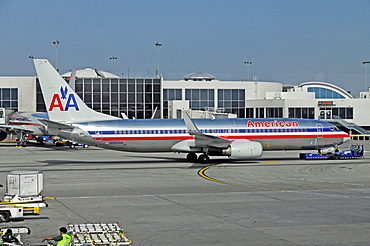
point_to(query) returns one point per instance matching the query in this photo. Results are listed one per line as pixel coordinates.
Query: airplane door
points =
(2, 116)
(319, 133)
(98, 133)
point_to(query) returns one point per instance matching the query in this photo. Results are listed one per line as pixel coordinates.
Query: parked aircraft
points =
(237, 138)
(19, 124)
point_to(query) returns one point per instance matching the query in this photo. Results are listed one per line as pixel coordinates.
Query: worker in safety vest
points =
(9, 238)
(63, 239)
(336, 148)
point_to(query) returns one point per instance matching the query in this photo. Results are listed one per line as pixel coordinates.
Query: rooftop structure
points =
(199, 77)
(91, 73)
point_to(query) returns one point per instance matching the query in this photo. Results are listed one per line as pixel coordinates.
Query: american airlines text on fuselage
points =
(274, 123)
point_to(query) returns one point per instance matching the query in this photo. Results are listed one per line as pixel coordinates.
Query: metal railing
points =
(348, 125)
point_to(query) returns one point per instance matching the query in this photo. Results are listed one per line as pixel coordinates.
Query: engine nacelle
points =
(244, 149)
(3, 135)
(327, 150)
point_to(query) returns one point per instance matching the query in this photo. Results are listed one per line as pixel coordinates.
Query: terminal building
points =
(144, 98)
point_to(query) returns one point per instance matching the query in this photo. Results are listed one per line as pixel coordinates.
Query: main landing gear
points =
(203, 158)
(22, 139)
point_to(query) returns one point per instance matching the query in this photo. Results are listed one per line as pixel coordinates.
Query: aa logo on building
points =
(61, 102)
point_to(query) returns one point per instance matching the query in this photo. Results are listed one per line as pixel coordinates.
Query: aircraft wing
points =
(53, 127)
(54, 124)
(204, 140)
(11, 127)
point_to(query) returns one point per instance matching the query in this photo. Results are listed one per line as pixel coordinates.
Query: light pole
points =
(248, 63)
(158, 45)
(56, 43)
(113, 58)
(365, 63)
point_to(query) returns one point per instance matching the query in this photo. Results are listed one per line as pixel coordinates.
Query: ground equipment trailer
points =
(355, 152)
(23, 189)
(30, 205)
(8, 213)
(102, 234)
(16, 231)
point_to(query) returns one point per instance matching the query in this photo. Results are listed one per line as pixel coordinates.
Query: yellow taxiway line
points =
(202, 171)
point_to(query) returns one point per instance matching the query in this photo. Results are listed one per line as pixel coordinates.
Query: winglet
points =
(192, 128)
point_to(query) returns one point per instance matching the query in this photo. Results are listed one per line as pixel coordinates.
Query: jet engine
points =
(3, 135)
(327, 150)
(243, 149)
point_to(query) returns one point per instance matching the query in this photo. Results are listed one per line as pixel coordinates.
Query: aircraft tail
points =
(62, 103)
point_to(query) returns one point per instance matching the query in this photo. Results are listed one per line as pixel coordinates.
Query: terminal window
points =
(169, 95)
(336, 112)
(137, 98)
(199, 99)
(323, 93)
(232, 100)
(302, 113)
(9, 98)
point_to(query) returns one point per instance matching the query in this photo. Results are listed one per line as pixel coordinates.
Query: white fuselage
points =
(161, 135)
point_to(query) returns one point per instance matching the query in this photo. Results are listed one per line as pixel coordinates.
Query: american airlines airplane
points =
(237, 138)
(20, 124)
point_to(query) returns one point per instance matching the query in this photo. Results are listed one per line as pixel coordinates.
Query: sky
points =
(287, 41)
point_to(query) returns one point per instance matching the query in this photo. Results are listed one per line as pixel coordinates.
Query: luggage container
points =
(23, 189)
(24, 183)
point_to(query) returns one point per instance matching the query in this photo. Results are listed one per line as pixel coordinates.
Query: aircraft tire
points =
(203, 159)
(192, 157)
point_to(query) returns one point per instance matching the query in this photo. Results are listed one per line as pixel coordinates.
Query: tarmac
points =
(160, 199)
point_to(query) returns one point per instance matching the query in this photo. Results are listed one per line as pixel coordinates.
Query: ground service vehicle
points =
(355, 152)
(23, 190)
(9, 212)
(16, 231)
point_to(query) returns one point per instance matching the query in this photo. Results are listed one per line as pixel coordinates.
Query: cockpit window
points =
(334, 128)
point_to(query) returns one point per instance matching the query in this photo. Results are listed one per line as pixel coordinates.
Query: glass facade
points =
(302, 113)
(168, 95)
(336, 112)
(40, 103)
(199, 99)
(9, 98)
(249, 113)
(323, 93)
(260, 113)
(232, 100)
(274, 112)
(137, 98)
(264, 112)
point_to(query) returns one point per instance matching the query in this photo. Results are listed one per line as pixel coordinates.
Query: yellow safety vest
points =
(65, 241)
